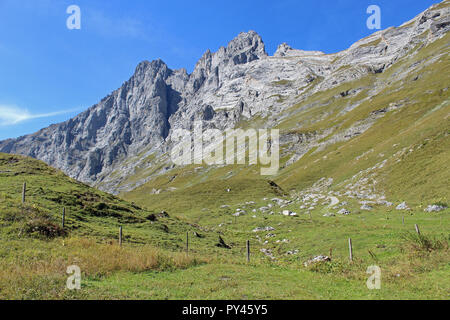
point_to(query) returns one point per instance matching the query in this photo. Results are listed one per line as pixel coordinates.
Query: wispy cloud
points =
(12, 115)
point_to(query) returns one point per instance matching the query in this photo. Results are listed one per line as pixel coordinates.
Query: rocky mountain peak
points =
(150, 69)
(246, 47)
(282, 50)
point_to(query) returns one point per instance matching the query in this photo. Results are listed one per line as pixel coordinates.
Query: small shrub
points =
(43, 227)
(151, 217)
(101, 206)
(420, 242)
(326, 267)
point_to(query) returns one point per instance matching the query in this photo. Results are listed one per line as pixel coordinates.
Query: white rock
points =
(402, 206)
(259, 229)
(435, 208)
(344, 212)
(317, 259)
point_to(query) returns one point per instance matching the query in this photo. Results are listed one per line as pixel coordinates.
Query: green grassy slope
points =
(35, 250)
(89, 212)
(151, 263)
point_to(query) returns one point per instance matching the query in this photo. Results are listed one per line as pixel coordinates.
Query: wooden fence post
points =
(417, 229)
(120, 236)
(187, 242)
(350, 249)
(248, 250)
(24, 190)
(63, 217)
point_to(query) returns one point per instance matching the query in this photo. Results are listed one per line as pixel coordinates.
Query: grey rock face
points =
(125, 122)
(106, 143)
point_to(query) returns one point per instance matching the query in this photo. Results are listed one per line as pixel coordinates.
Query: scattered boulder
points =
(386, 203)
(329, 214)
(239, 212)
(333, 201)
(402, 206)
(365, 206)
(268, 253)
(317, 259)
(155, 191)
(344, 211)
(288, 213)
(435, 208)
(278, 200)
(259, 229)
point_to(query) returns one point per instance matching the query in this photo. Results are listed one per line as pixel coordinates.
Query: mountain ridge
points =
(235, 84)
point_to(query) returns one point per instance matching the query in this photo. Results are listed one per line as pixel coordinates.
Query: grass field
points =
(152, 263)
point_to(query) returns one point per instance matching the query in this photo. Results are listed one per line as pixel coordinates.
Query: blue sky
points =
(49, 73)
